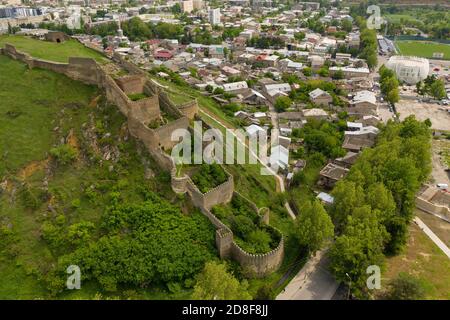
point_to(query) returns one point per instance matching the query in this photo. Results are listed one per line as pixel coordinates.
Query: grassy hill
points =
(59, 52)
(40, 111)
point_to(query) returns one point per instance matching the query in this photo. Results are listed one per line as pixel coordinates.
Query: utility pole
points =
(349, 287)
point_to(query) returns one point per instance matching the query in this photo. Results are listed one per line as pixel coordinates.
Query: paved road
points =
(432, 236)
(313, 282)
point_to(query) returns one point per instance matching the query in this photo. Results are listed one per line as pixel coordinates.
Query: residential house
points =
(364, 103)
(279, 157)
(348, 160)
(316, 62)
(234, 86)
(330, 174)
(320, 97)
(273, 91)
(315, 113)
(350, 72)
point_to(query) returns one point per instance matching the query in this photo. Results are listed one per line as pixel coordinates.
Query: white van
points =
(442, 186)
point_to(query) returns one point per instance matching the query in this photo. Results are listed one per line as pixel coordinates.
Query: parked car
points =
(442, 186)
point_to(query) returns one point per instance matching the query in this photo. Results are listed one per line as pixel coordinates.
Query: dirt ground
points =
(439, 174)
(440, 118)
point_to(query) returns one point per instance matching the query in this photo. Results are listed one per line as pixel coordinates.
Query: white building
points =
(409, 69)
(279, 157)
(233, 86)
(214, 16)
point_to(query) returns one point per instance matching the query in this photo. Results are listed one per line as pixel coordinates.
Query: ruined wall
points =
(220, 194)
(84, 69)
(142, 132)
(189, 109)
(130, 67)
(53, 66)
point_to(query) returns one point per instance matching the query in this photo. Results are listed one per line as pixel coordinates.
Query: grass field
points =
(398, 17)
(422, 48)
(59, 52)
(424, 260)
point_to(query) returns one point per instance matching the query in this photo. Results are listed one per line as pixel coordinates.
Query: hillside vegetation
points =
(59, 52)
(77, 189)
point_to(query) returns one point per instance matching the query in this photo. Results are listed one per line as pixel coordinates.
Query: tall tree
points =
(313, 226)
(215, 283)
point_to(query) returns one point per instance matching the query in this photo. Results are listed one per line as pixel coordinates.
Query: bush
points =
(64, 154)
(405, 287)
(209, 177)
(265, 292)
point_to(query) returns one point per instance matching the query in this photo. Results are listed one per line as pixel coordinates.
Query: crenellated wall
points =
(139, 113)
(165, 132)
(131, 84)
(254, 265)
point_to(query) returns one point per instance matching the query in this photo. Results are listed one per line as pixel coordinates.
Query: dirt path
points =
(31, 168)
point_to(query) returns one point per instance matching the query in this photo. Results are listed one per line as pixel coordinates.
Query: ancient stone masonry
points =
(139, 115)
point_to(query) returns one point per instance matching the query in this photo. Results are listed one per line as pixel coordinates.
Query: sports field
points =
(423, 49)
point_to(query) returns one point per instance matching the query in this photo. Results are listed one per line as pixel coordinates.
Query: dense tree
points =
(147, 242)
(299, 36)
(136, 29)
(382, 182)
(369, 47)
(346, 25)
(437, 89)
(215, 283)
(323, 137)
(282, 103)
(360, 246)
(313, 226)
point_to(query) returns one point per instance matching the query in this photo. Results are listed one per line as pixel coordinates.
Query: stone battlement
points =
(139, 114)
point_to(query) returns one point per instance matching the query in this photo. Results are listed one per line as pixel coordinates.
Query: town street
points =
(313, 281)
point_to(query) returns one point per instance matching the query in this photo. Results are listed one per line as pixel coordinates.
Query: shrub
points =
(64, 154)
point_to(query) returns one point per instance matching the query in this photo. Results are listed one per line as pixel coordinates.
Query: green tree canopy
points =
(313, 226)
(215, 283)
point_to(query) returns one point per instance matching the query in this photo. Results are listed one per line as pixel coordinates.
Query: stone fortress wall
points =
(139, 114)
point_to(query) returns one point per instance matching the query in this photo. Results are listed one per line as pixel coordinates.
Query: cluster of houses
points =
(233, 72)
